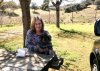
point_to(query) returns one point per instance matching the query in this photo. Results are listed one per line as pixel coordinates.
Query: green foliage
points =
(97, 2)
(11, 4)
(90, 1)
(45, 5)
(34, 6)
(98, 7)
(76, 7)
(5, 5)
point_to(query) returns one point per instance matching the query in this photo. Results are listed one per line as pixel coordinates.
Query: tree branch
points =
(54, 4)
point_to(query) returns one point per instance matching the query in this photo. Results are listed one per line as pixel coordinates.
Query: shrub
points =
(34, 6)
(11, 4)
(6, 5)
(3, 6)
(76, 7)
(97, 2)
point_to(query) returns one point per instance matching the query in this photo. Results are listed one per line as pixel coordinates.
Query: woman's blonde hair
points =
(34, 22)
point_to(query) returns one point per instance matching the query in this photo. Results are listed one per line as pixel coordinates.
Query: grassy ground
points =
(5, 28)
(72, 42)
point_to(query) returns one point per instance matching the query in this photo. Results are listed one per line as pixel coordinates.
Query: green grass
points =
(76, 30)
(82, 27)
(68, 29)
(12, 44)
(4, 28)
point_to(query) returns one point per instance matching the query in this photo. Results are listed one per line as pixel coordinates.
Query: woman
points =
(37, 39)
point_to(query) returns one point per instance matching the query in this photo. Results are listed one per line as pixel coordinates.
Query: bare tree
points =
(57, 5)
(25, 16)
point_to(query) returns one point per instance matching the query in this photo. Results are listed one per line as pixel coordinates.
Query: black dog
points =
(45, 40)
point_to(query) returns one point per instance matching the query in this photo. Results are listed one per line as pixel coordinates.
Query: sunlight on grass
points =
(70, 29)
(84, 28)
(10, 27)
(12, 44)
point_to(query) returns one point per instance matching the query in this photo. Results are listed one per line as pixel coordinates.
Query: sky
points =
(39, 2)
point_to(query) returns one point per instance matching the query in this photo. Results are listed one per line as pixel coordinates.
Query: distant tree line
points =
(72, 7)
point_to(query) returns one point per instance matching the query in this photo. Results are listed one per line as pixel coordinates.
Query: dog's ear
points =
(47, 38)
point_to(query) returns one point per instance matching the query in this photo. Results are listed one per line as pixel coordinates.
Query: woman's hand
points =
(41, 50)
(33, 41)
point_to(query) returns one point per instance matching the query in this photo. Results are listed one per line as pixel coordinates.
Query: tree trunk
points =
(57, 17)
(57, 5)
(25, 17)
(72, 17)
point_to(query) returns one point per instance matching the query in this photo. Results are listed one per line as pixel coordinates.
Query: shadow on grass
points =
(2, 46)
(69, 61)
(71, 33)
(6, 47)
(11, 14)
(70, 65)
(34, 12)
(66, 67)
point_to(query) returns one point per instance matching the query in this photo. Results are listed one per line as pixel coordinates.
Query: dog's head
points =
(44, 40)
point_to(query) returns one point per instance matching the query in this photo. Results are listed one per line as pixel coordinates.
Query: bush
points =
(3, 6)
(97, 2)
(6, 5)
(11, 4)
(45, 7)
(34, 6)
(76, 7)
(98, 7)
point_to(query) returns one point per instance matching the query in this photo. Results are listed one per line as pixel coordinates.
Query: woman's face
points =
(38, 26)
